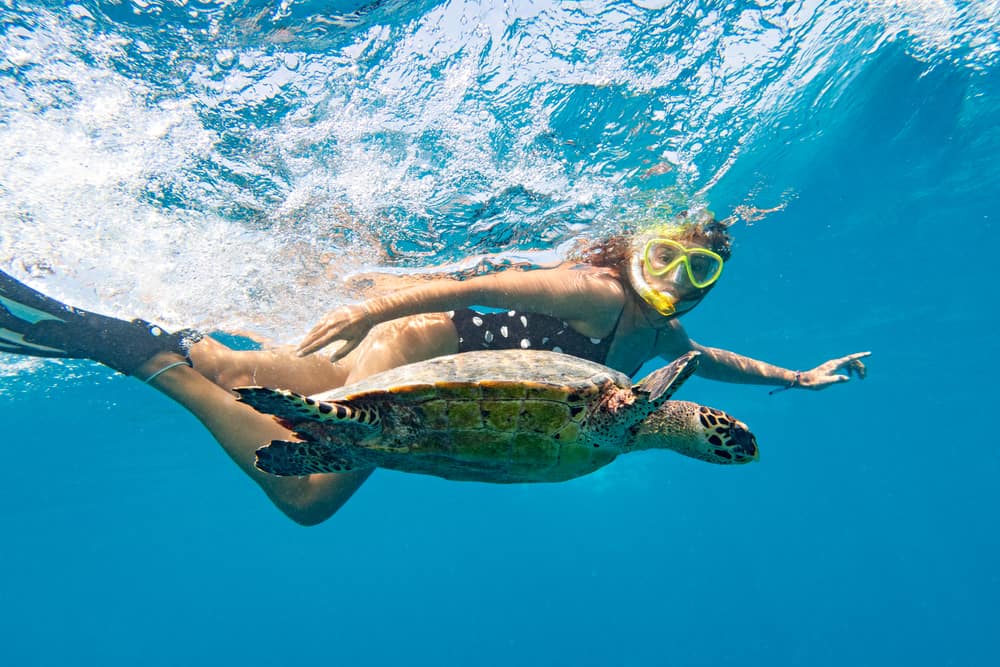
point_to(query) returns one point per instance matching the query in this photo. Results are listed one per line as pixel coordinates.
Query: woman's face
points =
(675, 276)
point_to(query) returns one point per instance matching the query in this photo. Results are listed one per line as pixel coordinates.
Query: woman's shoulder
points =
(600, 280)
(592, 271)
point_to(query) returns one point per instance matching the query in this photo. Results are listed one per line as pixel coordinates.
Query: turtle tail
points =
(36, 325)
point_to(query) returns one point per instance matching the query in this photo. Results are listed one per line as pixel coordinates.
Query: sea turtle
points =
(496, 416)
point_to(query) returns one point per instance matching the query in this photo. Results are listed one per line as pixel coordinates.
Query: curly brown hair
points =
(616, 251)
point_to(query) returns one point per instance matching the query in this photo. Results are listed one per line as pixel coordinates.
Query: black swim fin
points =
(35, 325)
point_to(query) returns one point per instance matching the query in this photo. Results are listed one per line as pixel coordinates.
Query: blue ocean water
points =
(225, 164)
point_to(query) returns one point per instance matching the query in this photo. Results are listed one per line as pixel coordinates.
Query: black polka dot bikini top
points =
(525, 331)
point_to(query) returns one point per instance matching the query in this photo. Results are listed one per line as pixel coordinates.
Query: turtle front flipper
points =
(622, 409)
(661, 384)
(288, 459)
(292, 409)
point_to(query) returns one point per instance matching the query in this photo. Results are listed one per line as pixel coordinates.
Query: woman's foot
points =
(36, 325)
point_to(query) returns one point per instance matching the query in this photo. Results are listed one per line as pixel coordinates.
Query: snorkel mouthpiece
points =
(662, 302)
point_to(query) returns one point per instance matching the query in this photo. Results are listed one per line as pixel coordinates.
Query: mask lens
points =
(705, 268)
(661, 256)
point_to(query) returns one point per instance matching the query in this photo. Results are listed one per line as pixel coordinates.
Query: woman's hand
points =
(833, 372)
(348, 323)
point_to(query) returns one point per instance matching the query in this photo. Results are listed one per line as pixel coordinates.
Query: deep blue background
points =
(866, 535)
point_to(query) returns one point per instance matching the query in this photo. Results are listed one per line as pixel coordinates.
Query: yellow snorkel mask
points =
(660, 257)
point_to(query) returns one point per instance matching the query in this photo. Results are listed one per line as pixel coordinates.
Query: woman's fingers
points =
(328, 330)
(827, 373)
(854, 366)
(321, 335)
(348, 323)
(345, 349)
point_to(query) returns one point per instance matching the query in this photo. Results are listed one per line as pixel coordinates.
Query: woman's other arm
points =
(591, 298)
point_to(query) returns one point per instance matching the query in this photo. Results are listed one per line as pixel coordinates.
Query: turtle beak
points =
(743, 444)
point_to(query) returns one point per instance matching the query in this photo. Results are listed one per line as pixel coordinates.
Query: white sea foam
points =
(234, 187)
(964, 32)
(90, 158)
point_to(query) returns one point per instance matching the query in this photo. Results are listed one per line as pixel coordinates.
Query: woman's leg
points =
(241, 431)
(33, 324)
(274, 367)
(388, 345)
(399, 342)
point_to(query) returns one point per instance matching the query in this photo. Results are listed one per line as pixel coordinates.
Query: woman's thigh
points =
(388, 345)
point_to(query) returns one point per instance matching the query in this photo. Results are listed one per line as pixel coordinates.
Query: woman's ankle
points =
(158, 364)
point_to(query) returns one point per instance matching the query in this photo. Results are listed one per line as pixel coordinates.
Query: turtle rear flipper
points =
(289, 459)
(661, 384)
(291, 408)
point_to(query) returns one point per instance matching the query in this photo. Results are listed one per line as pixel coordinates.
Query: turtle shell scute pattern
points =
(493, 374)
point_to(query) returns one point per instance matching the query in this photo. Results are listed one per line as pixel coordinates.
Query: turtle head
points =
(697, 431)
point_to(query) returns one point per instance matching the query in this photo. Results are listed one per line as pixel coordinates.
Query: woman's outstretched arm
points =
(725, 366)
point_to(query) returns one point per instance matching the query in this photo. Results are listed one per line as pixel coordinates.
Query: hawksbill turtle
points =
(502, 416)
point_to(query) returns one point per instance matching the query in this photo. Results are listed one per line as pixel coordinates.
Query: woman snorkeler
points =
(617, 304)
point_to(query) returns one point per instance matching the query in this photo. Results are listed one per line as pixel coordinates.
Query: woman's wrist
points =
(371, 319)
(792, 379)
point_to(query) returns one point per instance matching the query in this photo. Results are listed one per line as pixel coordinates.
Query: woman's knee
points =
(214, 361)
(279, 366)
